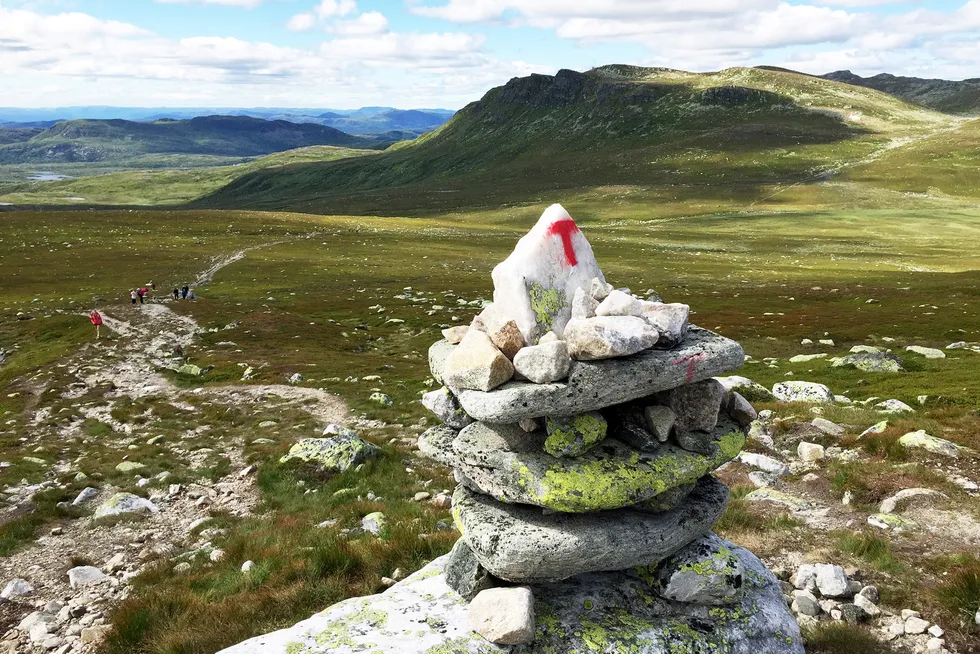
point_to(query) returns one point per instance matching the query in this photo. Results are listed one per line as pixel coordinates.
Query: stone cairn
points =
(583, 424)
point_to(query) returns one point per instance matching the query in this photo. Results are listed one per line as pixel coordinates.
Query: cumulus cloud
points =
(372, 22)
(301, 22)
(248, 4)
(47, 60)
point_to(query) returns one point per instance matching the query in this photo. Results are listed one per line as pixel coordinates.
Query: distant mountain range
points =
(395, 124)
(118, 140)
(942, 95)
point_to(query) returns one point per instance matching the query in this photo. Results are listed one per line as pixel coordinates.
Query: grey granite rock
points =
(593, 385)
(696, 406)
(614, 611)
(436, 443)
(659, 421)
(522, 544)
(869, 362)
(670, 321)
(509, 464)
(543, 364)
(438, 354)
(740, 409)
(704, 572)
(606, 337)
(464, 574)
(446, 407)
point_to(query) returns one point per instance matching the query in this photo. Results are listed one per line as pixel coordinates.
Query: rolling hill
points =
(715, 138)
(943, 95)
(113, 140)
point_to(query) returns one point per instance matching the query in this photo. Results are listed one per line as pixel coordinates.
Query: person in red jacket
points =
(96, 319)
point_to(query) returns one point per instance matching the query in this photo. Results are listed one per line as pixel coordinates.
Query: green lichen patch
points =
(576, 435)
(336, 454)
(546, 304)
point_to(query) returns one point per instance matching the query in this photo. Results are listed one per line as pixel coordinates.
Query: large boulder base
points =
(510, 465)
(599, 612)
(520, 543)
(594, 385)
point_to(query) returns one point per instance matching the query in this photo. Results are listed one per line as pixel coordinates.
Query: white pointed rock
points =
(670, 321)
(536, 284)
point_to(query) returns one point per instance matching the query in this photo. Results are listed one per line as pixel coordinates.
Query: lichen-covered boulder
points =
(121, 503)
(446, 407)
(606, 337)
(438, 354)
(521, 544)
(507, 463)
(705, 572)
(535, 285)
(599, 612)
(920, 439)
(336, 454)
(869, 362)
(574, 435)
(801, 391)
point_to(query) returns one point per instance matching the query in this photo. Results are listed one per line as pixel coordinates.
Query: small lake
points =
(45, 176)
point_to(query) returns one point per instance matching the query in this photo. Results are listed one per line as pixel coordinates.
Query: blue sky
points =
(441, 53)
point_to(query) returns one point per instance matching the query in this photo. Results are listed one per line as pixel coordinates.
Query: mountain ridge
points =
(612, 125)
(102, 140)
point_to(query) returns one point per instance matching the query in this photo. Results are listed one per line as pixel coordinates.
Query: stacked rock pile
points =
(583, 424)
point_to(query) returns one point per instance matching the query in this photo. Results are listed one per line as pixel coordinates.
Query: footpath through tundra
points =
(150, 496)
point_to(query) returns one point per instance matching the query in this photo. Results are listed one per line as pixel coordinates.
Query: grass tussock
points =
(872, 549)
(959, 592)
(839, 638)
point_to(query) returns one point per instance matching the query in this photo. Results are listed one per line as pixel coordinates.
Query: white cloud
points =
(74, 58)
(301, 22)
(372, 22)
(334, 8)
(248, 4)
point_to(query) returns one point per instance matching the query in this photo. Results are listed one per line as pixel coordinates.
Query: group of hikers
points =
(138, 296)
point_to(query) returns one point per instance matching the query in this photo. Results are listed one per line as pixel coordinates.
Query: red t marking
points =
(692, 361)
(565, 228)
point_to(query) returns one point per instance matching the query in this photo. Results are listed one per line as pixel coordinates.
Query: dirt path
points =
(132, 363)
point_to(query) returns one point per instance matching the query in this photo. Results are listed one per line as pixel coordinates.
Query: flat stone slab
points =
(511, 465)
(600, 612)
(593, 385)
(523, 544)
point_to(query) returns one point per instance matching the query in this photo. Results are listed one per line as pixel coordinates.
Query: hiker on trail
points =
(140, 293)
(192, 296)
(132, 296)
(96, 319)
(183, 292)
(176, 292)
(153, 285)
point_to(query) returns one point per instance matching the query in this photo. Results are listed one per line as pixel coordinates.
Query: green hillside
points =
(117, 140)
(959, 97)
(718, 140)
(160, 187)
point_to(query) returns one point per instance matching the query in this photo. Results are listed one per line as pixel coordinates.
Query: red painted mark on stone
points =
(692, 361)
(565, 228)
